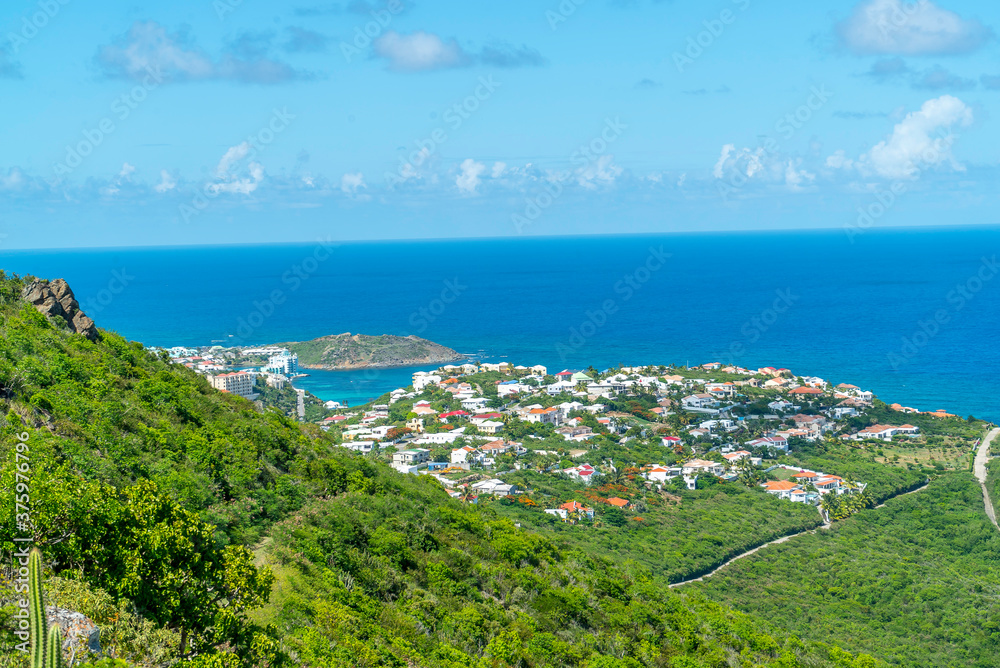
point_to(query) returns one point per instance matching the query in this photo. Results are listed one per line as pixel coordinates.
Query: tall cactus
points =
(53, 653)
(46, 645)
(36, 609)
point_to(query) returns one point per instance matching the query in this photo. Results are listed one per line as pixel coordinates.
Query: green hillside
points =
(352, 351)
(193, 528)
(915, 582)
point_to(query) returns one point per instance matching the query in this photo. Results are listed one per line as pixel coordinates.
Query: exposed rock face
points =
(55, 300)
(80, 634)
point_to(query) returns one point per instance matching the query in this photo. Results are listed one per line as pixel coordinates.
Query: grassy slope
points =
(915, 582)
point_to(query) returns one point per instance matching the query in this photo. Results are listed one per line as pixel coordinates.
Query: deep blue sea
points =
(912, 314)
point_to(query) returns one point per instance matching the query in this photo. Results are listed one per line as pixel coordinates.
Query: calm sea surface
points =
(912, 314)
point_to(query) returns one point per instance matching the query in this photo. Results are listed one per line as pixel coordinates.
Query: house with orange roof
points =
(806, 391)
(550, 415)
(781, 488)
(733, 457)
(660, 474)
(617, 502)
(574, 507)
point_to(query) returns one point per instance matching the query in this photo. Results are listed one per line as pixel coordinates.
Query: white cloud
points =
(839, 160)
(148, 49)
(468, 179)
(12, 180)
(167, 182)
(923, 138)
(230, 181)
(419, 51)
(124, 174)
(909, 28)
(720, 164)
(241, 186)
(681, 179)
(598, 172)
(232, 156)
(749, 162)
(350, 184)
(498, 169)
(796, 178)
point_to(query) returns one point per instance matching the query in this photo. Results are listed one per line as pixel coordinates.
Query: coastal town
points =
(493, 430)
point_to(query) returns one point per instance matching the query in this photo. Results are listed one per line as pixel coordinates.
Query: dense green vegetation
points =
(914, 583)
(398, 575)
(148, 489)
(676, 537)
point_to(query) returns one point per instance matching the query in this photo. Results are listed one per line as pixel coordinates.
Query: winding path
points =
(979, 468)
(826, 525)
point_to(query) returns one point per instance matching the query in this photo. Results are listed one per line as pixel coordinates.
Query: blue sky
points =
(225, 121)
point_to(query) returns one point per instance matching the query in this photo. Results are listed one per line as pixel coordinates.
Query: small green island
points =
(360, 351)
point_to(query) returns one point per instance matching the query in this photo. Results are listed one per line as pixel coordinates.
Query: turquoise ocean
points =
(912, 314)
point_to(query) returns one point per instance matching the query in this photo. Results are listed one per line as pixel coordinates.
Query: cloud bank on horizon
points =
(427, 122)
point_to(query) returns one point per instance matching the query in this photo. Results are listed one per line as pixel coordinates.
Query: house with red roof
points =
(446, 417)
(583, 473)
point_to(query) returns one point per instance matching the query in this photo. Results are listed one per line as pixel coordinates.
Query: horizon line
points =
(754, 231)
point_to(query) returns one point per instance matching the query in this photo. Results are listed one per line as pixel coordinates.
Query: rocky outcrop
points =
(80, 634)
(55, 300)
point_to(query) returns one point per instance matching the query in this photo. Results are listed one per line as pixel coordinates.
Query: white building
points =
(422, 379)
(240, 383)
(285, 363)
(407, 461)
(495, 487)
